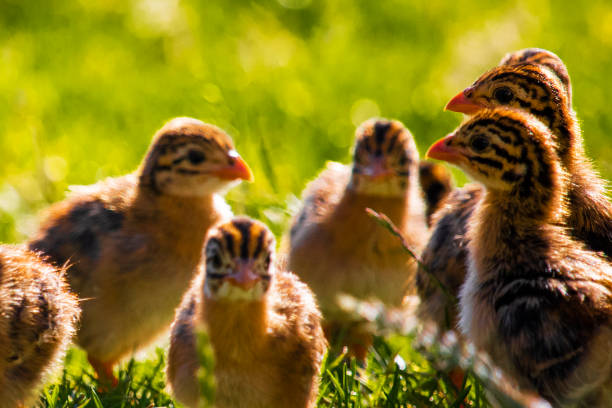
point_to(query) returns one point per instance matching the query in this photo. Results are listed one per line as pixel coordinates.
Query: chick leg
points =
(354, 336)
(457, 375)
(104, 370)
(359, 342)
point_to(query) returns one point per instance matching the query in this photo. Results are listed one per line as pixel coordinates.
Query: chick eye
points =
(215, 260)
(195, 156)
(267, 261)
(503, 94)
(479, 143)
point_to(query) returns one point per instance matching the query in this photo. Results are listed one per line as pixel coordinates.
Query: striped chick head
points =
(191, 158)
(239, 260)
(529, 87)
(505, 149)
(543, 57)
(385, 159)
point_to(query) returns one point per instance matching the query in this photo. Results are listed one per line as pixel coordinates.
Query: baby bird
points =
(38, 316)
(535, 299)
(263, 323)
(548, 100)
(336, 248)
(539, 91)
(133, 243)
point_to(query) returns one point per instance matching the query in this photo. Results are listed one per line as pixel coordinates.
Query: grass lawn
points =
(84, 84)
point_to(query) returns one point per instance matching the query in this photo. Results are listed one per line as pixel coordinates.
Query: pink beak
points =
(463, 104)
(377, 169)
(441, 150)
(244, 277)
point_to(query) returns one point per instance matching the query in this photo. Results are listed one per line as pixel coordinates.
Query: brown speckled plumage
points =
(132, 243)
(535, 299)
(445, 256)
(268, 348)
(38, 317)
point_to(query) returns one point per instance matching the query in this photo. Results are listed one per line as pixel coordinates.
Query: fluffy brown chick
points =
(539, 89)
(535, 299)
(132, 243)
(263, 323)
(336, 248)
(38, 317)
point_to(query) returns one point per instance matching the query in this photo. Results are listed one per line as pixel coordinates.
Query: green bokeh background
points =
(85, 84)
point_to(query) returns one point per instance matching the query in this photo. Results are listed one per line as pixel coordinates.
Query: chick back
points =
(37, 321)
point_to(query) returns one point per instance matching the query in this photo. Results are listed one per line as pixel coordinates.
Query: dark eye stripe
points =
(188, 171)
(229, 240)
(524, 104)
(486, 161)
(501, 152)
(392, 141)
(245, 231)
(260, 241)
(380, 131)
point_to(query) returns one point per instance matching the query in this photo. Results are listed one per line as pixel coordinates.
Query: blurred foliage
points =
(84, 84)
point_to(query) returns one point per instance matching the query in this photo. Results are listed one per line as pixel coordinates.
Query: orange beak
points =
(461, 103)
(238, 170)
(441, 150)
(244, 277)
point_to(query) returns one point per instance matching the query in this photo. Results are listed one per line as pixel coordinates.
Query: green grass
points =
(397, 375)
(84, 84)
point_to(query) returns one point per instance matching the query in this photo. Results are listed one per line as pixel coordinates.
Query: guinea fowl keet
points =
(535, 298)
(263, 323)
(337, 249)
(540, 90)
(132, 243)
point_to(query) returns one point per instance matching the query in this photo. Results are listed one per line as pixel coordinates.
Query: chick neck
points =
(567, 129)
(237, 329)
(176, 209)
(400, 204)
(505, 219)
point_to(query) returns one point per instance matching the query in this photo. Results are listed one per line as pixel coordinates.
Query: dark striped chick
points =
(38, 317)
(263, 323)
(539, 91)
(535, 299)
(337, 249)
(590, 215)
(133, 242)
